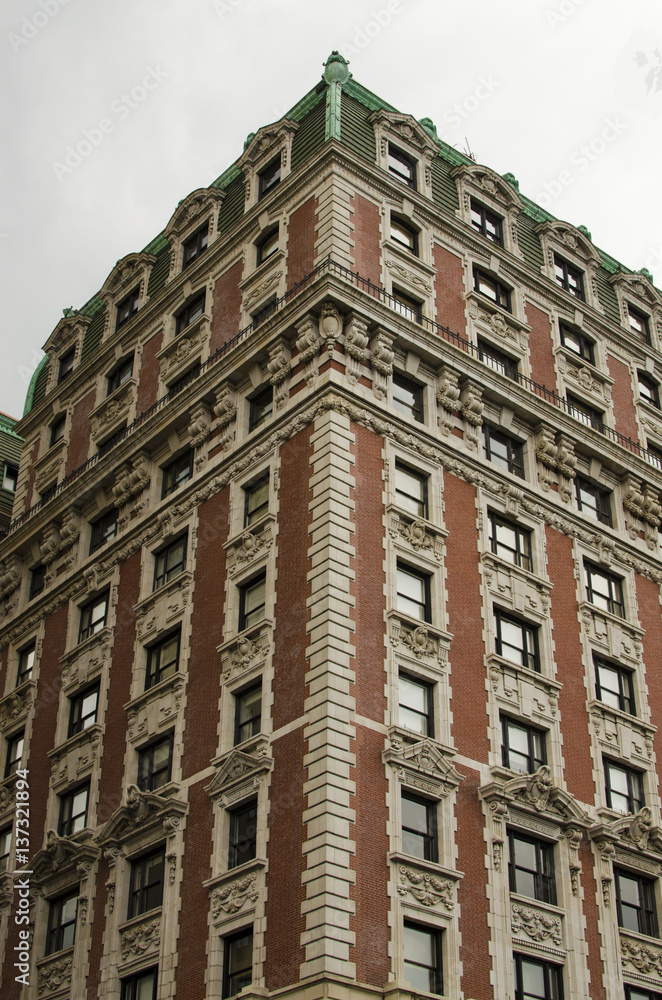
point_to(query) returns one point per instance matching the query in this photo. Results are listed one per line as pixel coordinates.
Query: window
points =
(604, 590)
(497, 360)
(62, 922)
(594, 500)
(613, 685)
(162, 660)
(505, 452)
(404, 234)
(170, 562)
(66, 364)
(189, 376)
(256, 500)
(57, 430)
(243, 831)
(127, 308)
(192, 311)
(639, 323)
(155, 765)
(110, 442)
(269, 177)
(237, 962)
(48, 492)
(93, 616)
(587, 414)
(407, 397)
(413, 593)
(492, 289)
(634, 993)
(523, 747)
(568, 277)
(486, 223)
(531, 868)
(516, 641)
(248, 713)
(252, 596)
(10, 477)
(419, 827)
(264, 312)
(103, 529)
(261, 408)
(83, 710)
(576, 342)
(37, 581)
(195, 245)
(422, 949)
(73, 811)
(401, 166)
(654, 455)
(176, 473)
(14, 753)
(535, 980)
(267, 246)
(140, 986)
(411, 490)
(624, 787)
(120, 374)
(415, 708)
(635, 903)
(146, 892)
(648, 390)
(510, 541)
(406, 306)
(26, 659)
(5, 848)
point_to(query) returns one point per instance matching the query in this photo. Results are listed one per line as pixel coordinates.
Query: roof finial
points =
(335, 69)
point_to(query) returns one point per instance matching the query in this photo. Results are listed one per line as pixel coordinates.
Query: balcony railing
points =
(377, 292)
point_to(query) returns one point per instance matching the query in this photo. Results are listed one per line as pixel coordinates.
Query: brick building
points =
(330, 609)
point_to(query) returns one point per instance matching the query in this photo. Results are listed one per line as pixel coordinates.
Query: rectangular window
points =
(66, 364)
(406, 306)
(146, 892)
(267, 246)
(523, 746)
(411, 490)
(248, 713)
(120, 374)
(93, 616)
(269, 177)
(505, 452)
(176, 473)
(613, 685)
(588, 415)
(243, 833)
(531, 867)
(401, 166)
(155, 764)
(256, 500)
(14, 755)
(170, 562)
(127, 308)
(162, 660)
(575, 341)
(83, 710)
(639, 323)
(404, 235)
(189, 376)
(415, 709)
(648, 390)
(635, 903)
(634, 993)
(37, 581)
(57, 430)
(492, 289)
(252, 597)
(604, 590)
(624, 787)
(407, 397)
(192, 310)
(536, 980)
(62, 922)
(594, 500)
(486, 223)
(26, 659)
(264, 312)
(261, 408)
(73, 811)
(422, 951)
(111, 441)
(569, 277)
(140, 986)
(195, 245)
(103, 529)
(497, 360)
(413, 593)
(419, 827)
(48, 492)
(237, 962)
(510, 541)
(5, 848)
(10, 478)
(517, 641)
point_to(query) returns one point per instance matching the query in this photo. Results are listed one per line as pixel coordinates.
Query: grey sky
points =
(566, 94)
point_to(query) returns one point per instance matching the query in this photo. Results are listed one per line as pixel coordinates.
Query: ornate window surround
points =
(200, 206)
(132, 271)
(574, 245)
(408, 135)
(495, 193)
(638, 288)
(69, 332)
(262, 281)
(261, 148)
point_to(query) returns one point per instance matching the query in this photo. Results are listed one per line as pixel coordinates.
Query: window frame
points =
(602, 497)
(127, 308)
(532, 733)
(522, 553)
(261, 408)
(239, 703)
(57, 928)
(514, 462)
(569, 273)
(24, 673)
(67, 820)
(129, 983)
(10, 475)
(251, 490)
(651, 387)
(585, 348)
(229, 974)
(394, 156)
(646, 911)
(258, 613)
(14, 743)
(553, 986)
(635, 797)
(85, 631)
(615, 599)
(407, 306)
(142, 883)
(530, 648)
(58, 429)
(242, 840)
(66, 365)
(177, 472)
(586, 414)
(429, 836)
(161, 556)
(410, 241)
(267, 245)
(643, 330)
(625, 685)
(269, 177)
(476, 208)
(100, 533)
(147, 771)
(435, 969)
(6, 843)
(502, 294)
(417, 506)
(155, 672)
(415, 410)
(77, 720)
(425, 605)
(428, 716)
(119, 374)
(543, 875)
(498, 361)
(190, 312)
(195, 246)
(37, 581)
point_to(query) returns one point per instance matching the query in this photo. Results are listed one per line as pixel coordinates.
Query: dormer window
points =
(66, 364)
(570, 278)
(639, 323)
(127, 308)
(404, 235)
(195, 245)
(190, 313)
(486, 223)
(401, 166)
(269, 177)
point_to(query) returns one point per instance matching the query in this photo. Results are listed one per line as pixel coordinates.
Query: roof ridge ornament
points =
(336, 69)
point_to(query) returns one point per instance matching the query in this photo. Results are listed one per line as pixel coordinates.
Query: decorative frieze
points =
(165, 606)
(426, 888)
(155, 708)
(235, 895)
(533, 923)
(140, 939)
(183, 350)
(644, 956)
(87, 660)
(245, 651)
(619, 639)
(424, 642)
(417, 534)
(75, 758)
(425, 765)
(54, 974)
(113, 410)
(622, 734)
(522, 591)
(252, 543)
(517, 686)
(16, 705)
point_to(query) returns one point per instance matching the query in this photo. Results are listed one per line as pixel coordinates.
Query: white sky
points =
(527, 83)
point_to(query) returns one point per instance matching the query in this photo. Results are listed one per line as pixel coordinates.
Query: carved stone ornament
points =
(200, 425)
(55, 975)
(11, 573)
(535, 924)
(419, 534)
(237, 767)
(141, 811)
(245, 651)
(308, 342)
(427, 889)
(406, 274)
(330, 325)
(250, 545)
(279, 367)
(131, 480)
(422, 641)
(638, 831)
(16, 704)
(232, 897)
(356, 343)
(448, 398)
(263, 287)
(138, 940)
(225, 411)
(423, 762)
(645, 957)
(62, 856)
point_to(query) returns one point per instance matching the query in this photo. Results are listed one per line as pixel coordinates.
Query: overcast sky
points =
(566, 94)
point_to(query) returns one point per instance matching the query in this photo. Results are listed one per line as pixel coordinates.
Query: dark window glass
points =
(536, 980)
(73, 811)
(654, 456)
(419, 827)
(66, 364)
(5, 848)
(624, 787)
(264, 312)
(406, 306)
(267, 246)
(604, 590)
(486, 223)
(26, 659)
(10, 477)
(261, 408)
(269, 177)
(243, 832)
(510, 541)
(170, 562)
(407, 397)
(252, 597)
(523, 746)
(146, 891)
(176, 473)
(83, 710)
(613, 685)
(256, 500)
(189, 376)
(192, 310)
(594, 500)
(634, 993)
(15, 746)
(62, 922)
(415, 708)
(517, 641)
(588, 415)
(492, 289)
(93, 616)
(505, 452)
(497, 360)
(110, 442)
(141, 986)
(639, 323)
(37, 581)
(568, 277)
(635, 902)
(237, 962)
(103, 529)
(120, 374)
(48, 492)
(648, 390)
(401, 166)
(576, 342)
(413, 593)
(422, 948)
(248, 713)
(57, 430)
(195, 245)
(404, 234)
(155, 764)
(411, 490)
(127, 308)
(162, 660)
(531, 867)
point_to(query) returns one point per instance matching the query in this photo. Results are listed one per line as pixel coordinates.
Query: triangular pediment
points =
(425, 758)
(141, 811)
(236, 767)
(196, 205)
(489, 182)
